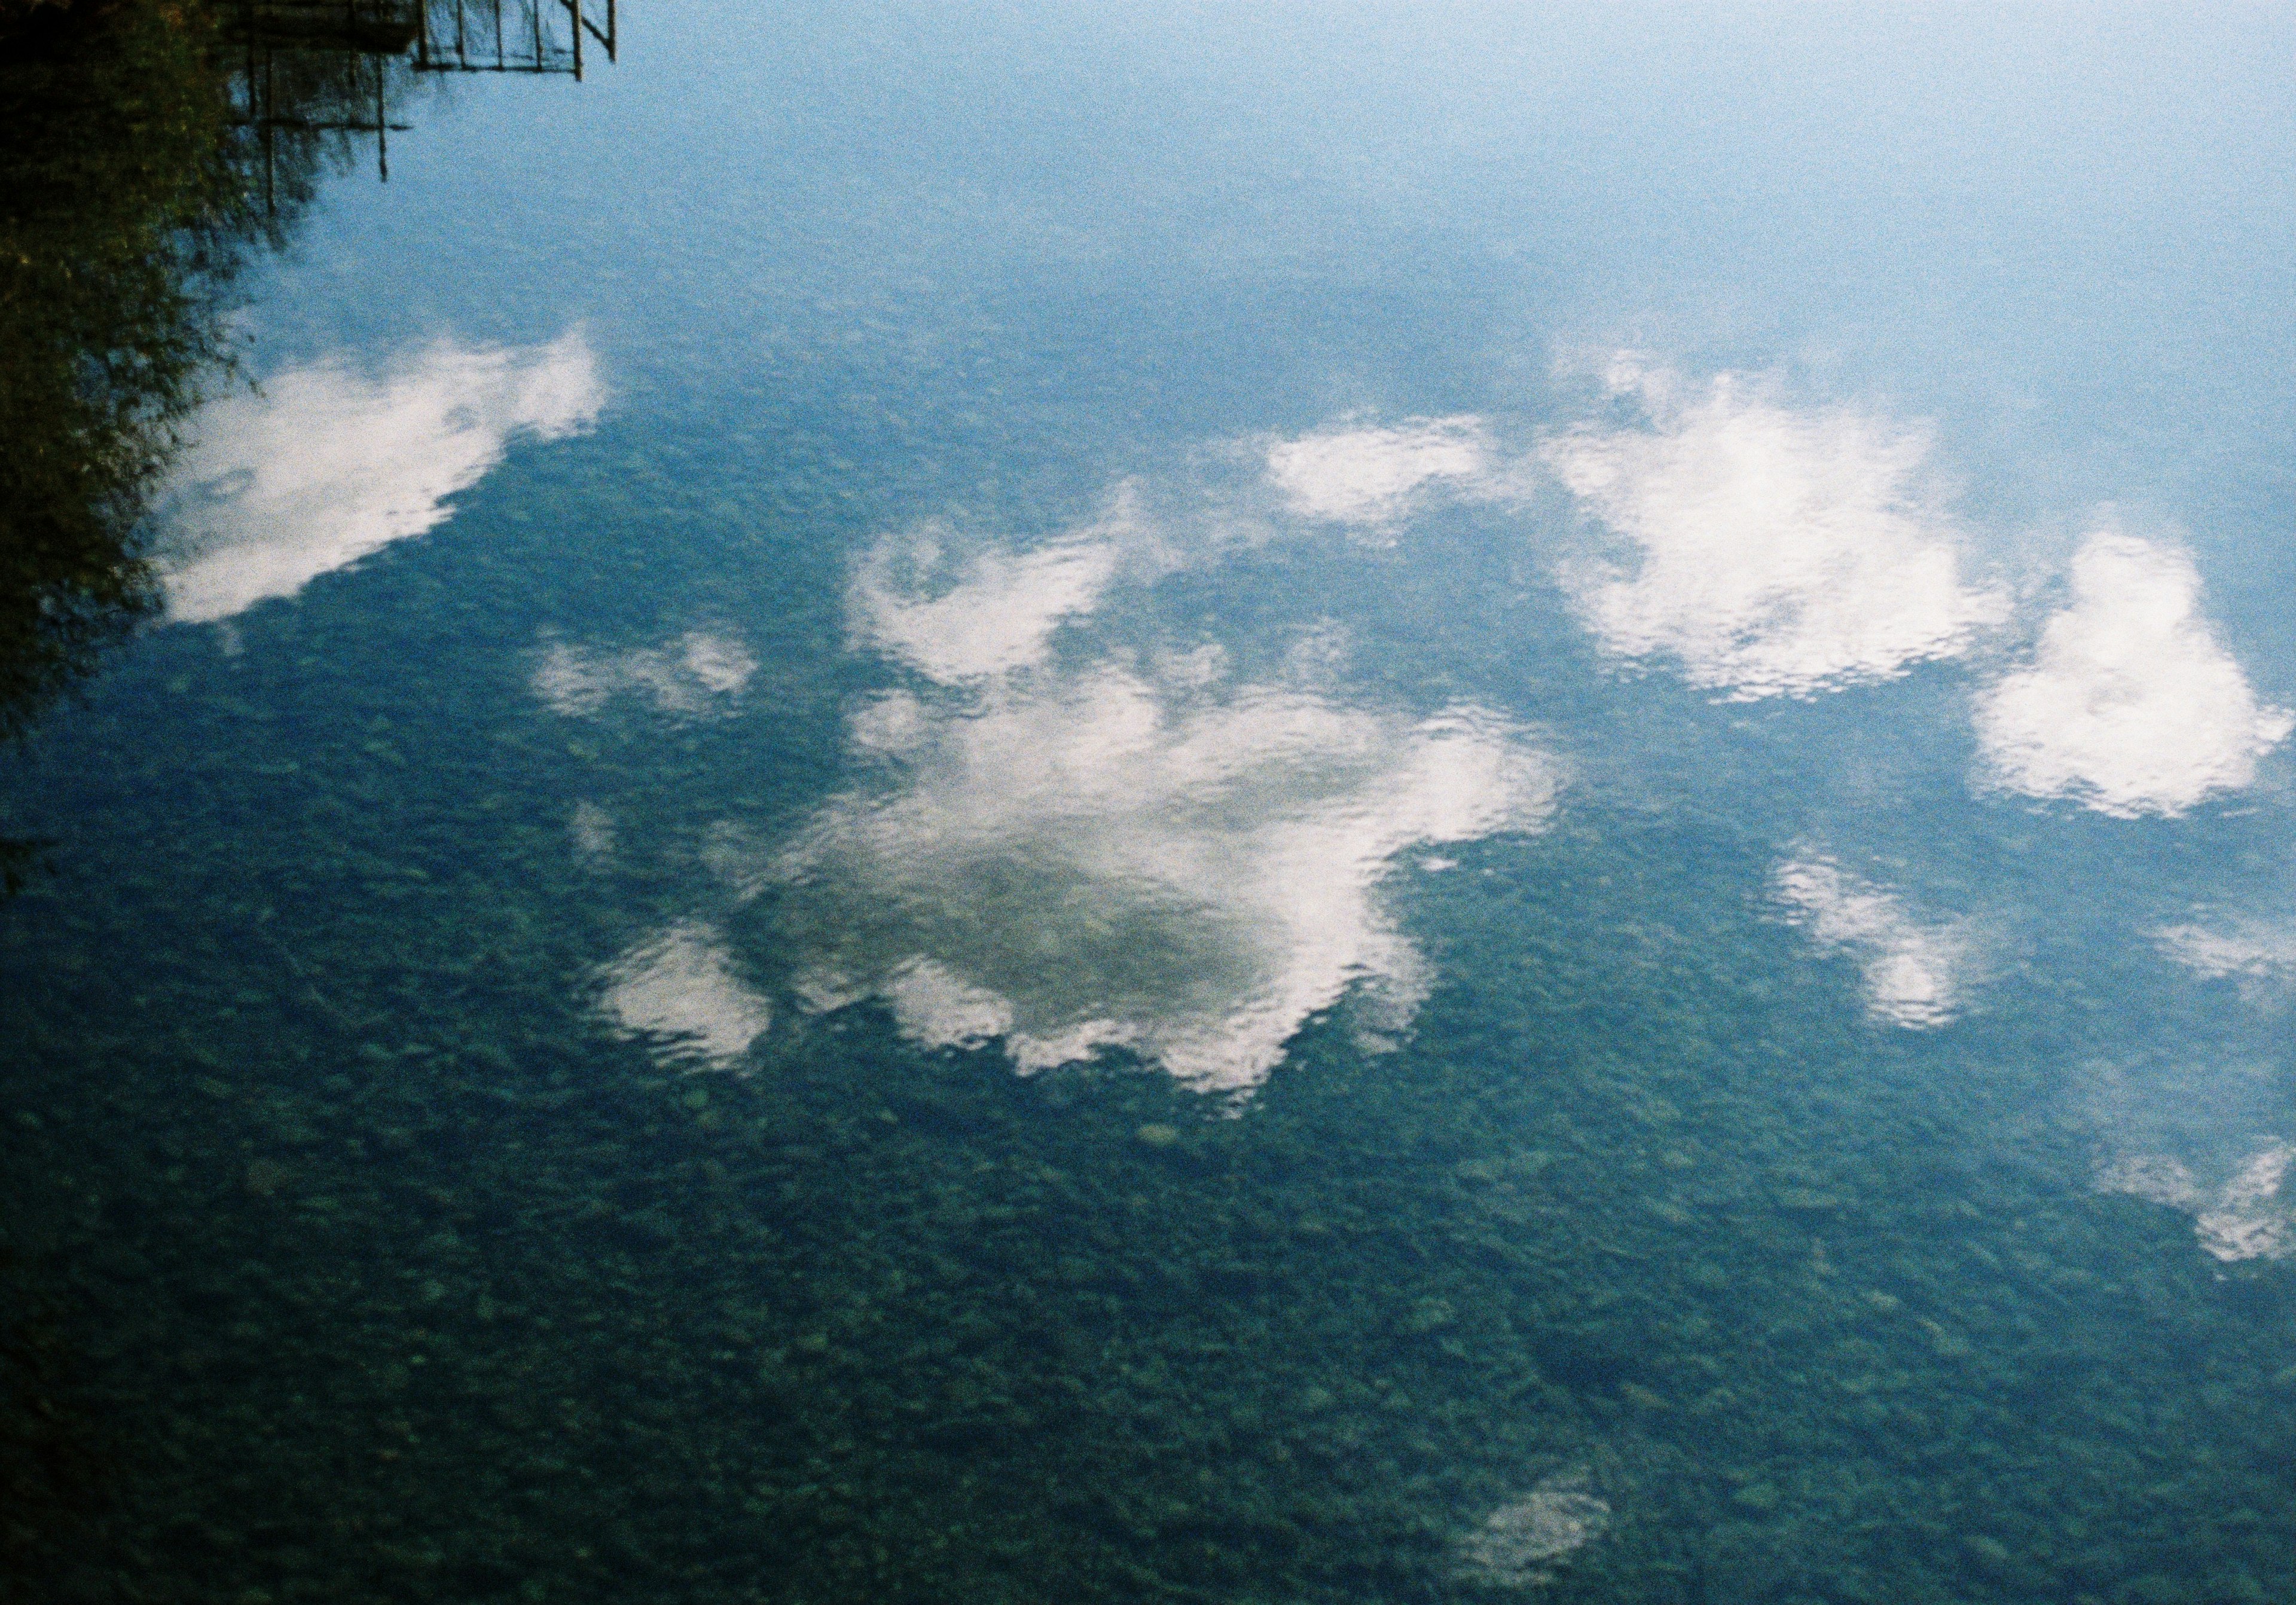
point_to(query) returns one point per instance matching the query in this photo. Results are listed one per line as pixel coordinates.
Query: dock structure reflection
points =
(490, 36)
(312, 76)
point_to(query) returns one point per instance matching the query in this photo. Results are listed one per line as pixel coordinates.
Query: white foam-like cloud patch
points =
(331, 463)
(1067, 860)
(1915, 971)
(2252, 1215)
(701, 673)
(2247, 1215)
(593, 831)
(956, 611)
(679, 991)
(2253, 950)
(1766, 549)
(2130, 704)
(2205, 1133)
(1370, 474)
(1098, 864)
(1527, 1542)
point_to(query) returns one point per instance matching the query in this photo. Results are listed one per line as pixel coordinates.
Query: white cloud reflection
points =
(2205, 1132)
(679, 990)
(1113, 855)
(1526, 1542)
(2246, 1215)
(593, 831)
(1368, 474)
(329, 463)
(1767, 550)
(954, 612)
(1914, 971)
(700, 674)
(2130, 706)
(2250, 950)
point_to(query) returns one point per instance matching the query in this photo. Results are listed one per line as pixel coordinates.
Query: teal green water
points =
(1206, 804)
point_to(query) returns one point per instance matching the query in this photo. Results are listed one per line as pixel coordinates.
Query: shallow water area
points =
(1164, 805)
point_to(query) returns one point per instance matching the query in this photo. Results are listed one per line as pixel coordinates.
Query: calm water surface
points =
(1222, 803)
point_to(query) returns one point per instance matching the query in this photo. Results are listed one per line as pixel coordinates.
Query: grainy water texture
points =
(1246, 804)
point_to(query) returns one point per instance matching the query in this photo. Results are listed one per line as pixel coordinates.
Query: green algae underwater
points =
(870, 851)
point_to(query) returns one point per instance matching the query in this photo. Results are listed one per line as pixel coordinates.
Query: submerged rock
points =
(1526, 1542)
(265, 1178)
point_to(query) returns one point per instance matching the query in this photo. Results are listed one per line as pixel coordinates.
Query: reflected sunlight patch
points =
(1767, 550)
(1914, 972)
(679, 991)
(328, 463)
(1368, 475)
(2130, 706)
(701, 673)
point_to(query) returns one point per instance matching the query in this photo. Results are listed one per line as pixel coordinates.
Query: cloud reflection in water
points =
(954, 612)
(2253, 951)
(1068, 858)
(1062, 845)
(680, 989)
(1368, 474)
(701, 673)
(1914, 971)
(2130, 706)
(1767, 550)
(2246, 1215)
(328, 463)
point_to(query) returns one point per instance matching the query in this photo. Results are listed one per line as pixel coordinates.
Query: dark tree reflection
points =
(149, 149)
(124, 211)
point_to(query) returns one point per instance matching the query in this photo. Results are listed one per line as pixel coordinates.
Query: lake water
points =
(1234, 804)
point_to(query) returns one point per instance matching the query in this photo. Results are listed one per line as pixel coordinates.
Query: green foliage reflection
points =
(123, 214)
(135, 184)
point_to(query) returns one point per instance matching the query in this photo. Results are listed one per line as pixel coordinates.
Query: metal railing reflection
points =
(309, 74)
(522, 36)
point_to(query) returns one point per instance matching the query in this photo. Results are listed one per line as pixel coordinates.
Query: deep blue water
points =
(1248, 803)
